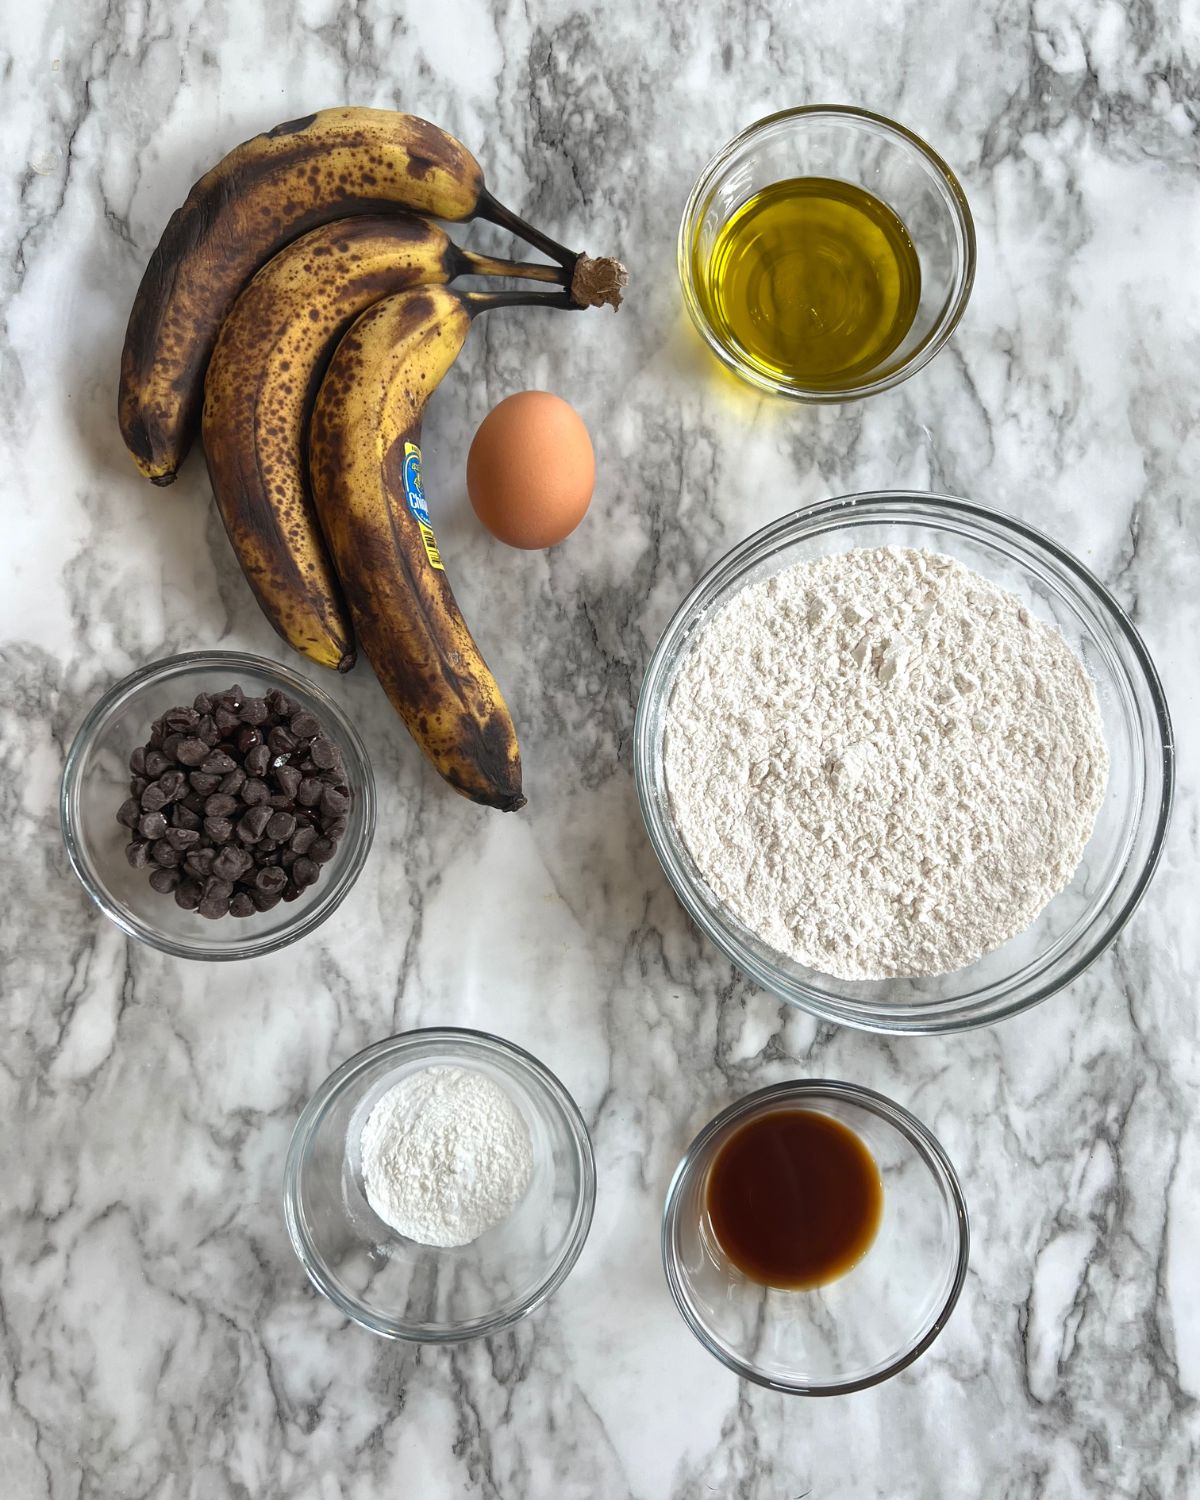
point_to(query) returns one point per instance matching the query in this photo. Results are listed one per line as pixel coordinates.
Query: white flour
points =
(882, 763)
(445, 1155)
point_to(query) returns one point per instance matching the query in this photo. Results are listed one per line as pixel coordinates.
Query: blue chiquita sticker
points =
(414, 493)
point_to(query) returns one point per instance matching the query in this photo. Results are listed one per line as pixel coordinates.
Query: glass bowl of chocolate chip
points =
(217, 805)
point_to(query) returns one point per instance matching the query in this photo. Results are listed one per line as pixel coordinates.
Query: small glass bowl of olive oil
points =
(826, 253)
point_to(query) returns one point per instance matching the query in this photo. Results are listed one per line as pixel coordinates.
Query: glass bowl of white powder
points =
(439, 1186)
(906, 761)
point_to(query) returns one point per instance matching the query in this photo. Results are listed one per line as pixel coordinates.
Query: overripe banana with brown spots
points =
(258, 395)
(260, 197)
(365, 460)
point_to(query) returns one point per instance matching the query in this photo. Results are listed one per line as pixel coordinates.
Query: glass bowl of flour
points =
(905, 761)
(411, 1258)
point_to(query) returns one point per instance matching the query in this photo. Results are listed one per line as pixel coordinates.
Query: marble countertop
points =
(157, 1336)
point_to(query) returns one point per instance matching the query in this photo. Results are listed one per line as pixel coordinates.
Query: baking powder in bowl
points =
(882, 764)
(445, 1156)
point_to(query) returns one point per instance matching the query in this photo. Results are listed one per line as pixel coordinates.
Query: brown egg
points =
(531, 470)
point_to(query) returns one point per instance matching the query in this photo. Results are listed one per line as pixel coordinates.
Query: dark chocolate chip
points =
(220, 830)
(154, 799)
(138, 854)
(334, 802)
(174, 783)
(183, 817)
(215, 886)
(247, 738)
(281, 741)
(191, 752)
(270, 879)
(181, 720)
(306, 871)
(281, 826)
(137, 761)
(304, 726)
(217, 763)
(202, 703)
(303, 839)
(263, 901)
(187, 895)
(165, 881)
(137, 785)
(204, 783)
(232, 784)
(257, 760)
(241, 905)
(162, 854)
(171, 744)
(287, 779)
(155, 764)
(324, 753)
(335, 828)
(207, 731)
(194, 803)
(152, 825)
(225, 721)
(254, 711)
(129, 812)
(255, 791)
(231, 863)
(214, 907)
(220, 806)
(199, 862)
(182, 838)
(323, 850)
(308, 793)
(250, 829)
(292, 892)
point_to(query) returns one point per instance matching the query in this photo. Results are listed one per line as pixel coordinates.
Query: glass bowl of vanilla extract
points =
(815, 1237)
(826, 253)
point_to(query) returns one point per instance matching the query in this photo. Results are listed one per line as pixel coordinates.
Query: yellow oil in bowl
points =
(813, 281)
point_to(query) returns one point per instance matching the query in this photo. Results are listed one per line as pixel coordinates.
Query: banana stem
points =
(481, 302)
(473, 264)
(496, 213)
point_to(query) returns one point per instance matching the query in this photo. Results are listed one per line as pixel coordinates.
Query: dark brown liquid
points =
(794, 1198)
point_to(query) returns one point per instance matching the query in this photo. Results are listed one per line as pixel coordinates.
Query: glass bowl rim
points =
(331, 1089)
(978, 522)
(166, 666)
(928, 1148)
(947, 321)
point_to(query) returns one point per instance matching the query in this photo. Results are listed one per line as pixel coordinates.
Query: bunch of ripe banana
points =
(301, 305)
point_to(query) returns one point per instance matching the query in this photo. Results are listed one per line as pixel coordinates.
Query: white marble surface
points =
(157, 1338)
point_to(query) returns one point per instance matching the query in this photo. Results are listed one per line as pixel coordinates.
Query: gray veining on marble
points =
(157, 1338)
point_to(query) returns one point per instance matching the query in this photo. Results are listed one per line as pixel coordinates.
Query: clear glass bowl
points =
(855, 146)
(1124, 849)
(96, 781)
(394, 1286)
(870, 1323)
